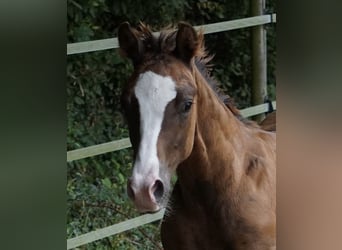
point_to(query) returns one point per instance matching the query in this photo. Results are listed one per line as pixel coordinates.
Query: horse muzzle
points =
(146, 194)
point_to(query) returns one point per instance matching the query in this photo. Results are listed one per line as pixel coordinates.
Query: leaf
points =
(79, 100)
(121, 178)
(98, 90)
(106, 182)
(83, 33)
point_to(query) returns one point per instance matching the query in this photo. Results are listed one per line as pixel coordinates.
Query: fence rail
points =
(112, 43)
(114, 229)
(77, 154)
(99, 149)
(112, 146)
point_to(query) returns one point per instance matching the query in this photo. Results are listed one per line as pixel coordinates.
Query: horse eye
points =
(187, 106)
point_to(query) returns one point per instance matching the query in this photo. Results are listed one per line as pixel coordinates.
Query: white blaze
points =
(153, 92)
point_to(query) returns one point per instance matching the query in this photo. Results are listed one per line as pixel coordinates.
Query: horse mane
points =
(166, 43)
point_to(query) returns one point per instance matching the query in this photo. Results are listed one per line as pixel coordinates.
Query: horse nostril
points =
(130, 191)
(158, 190)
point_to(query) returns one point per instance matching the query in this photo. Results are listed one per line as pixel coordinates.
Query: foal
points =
(225, 195)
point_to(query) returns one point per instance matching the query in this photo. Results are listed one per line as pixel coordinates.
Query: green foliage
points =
(96, 193)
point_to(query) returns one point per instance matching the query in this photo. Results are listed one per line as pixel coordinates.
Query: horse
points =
(179, 123)
(270, 122)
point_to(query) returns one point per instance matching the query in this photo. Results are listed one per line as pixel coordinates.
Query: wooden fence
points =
(112, 43)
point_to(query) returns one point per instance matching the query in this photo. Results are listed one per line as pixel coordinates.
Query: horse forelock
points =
(165, 43)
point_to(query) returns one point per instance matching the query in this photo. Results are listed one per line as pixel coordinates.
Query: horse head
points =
(159, 103)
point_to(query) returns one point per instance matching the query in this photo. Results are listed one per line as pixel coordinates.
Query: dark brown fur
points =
(270, 122)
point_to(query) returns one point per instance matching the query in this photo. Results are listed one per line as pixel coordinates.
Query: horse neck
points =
(219, 140)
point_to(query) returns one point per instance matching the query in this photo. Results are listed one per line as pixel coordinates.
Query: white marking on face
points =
(153, 92)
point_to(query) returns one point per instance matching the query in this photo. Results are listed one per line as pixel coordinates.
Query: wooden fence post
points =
(259, 58)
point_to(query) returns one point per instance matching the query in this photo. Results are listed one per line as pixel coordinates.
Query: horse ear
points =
(130, 45)
(187, 42)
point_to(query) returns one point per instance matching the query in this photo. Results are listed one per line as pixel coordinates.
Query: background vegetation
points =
(96, 194)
